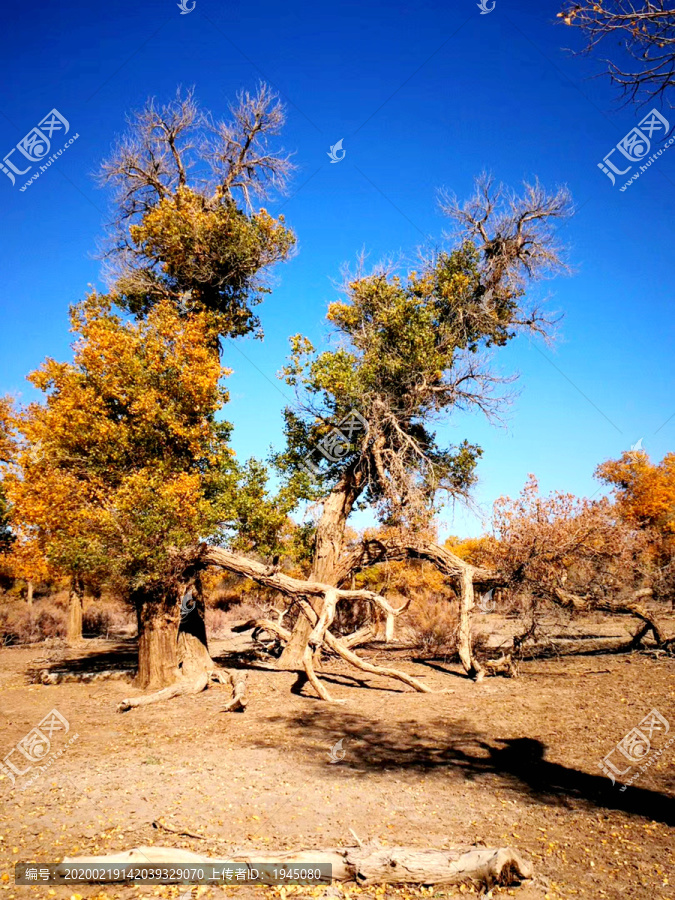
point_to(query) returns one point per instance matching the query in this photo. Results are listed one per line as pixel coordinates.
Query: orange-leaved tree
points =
(132, 466)
(644, 494)
(133, 470)
(6, 455)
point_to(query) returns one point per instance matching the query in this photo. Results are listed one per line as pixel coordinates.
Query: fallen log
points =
(366, 865)
(61, 676)
(410, 865)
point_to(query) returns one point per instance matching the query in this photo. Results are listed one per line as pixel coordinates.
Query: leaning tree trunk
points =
(74, 623)
(327, 550)
(158, 616)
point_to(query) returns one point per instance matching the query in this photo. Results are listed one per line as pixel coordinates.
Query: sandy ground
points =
(506, 762)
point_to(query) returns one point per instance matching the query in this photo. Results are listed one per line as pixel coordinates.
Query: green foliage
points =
(407, 354)
(259, 522)
(212, 253)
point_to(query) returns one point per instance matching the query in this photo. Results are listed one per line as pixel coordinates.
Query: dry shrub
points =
(412, 580)
(49, 623)
(47, 619)
(432, 626)
(104, 619)
(561, 543)
(20, 625)
(219, 621)
(58, 600)
(230, 591)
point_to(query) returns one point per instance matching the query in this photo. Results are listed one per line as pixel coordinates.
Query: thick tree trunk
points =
(158, 616)
(74, 623)
(327, 550)
(173, 654)
(29, 594)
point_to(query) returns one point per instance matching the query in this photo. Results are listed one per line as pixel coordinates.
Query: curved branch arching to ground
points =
(317, 602)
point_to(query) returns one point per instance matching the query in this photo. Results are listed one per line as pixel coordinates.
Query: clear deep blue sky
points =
(425, 95)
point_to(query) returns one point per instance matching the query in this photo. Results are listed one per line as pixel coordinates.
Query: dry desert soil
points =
(508, 762)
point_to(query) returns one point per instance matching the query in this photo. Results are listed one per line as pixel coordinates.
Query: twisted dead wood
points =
(366, 865)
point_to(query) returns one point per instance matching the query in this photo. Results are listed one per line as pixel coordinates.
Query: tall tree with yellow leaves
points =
(644, 495)
(133, 469)
(132, 464)
(6, 453)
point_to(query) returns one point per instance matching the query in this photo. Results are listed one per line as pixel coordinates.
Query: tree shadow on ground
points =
(373, 745)
(120, 658)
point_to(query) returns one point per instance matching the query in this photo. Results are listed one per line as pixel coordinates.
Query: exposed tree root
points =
(195, 686)
(239, 700)
(183, 686)
(360, 636)
(385, 671)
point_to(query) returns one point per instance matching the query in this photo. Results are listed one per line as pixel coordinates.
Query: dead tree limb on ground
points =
(317, 602)
(366, 865)
(462, 575)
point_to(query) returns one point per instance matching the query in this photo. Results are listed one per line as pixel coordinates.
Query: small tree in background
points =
(571, 552)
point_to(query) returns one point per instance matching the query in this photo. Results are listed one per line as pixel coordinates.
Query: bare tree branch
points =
(645, 30)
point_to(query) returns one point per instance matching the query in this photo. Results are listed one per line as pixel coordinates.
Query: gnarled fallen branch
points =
(319, 613)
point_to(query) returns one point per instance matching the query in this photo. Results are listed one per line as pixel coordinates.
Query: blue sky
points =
(424, 97)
